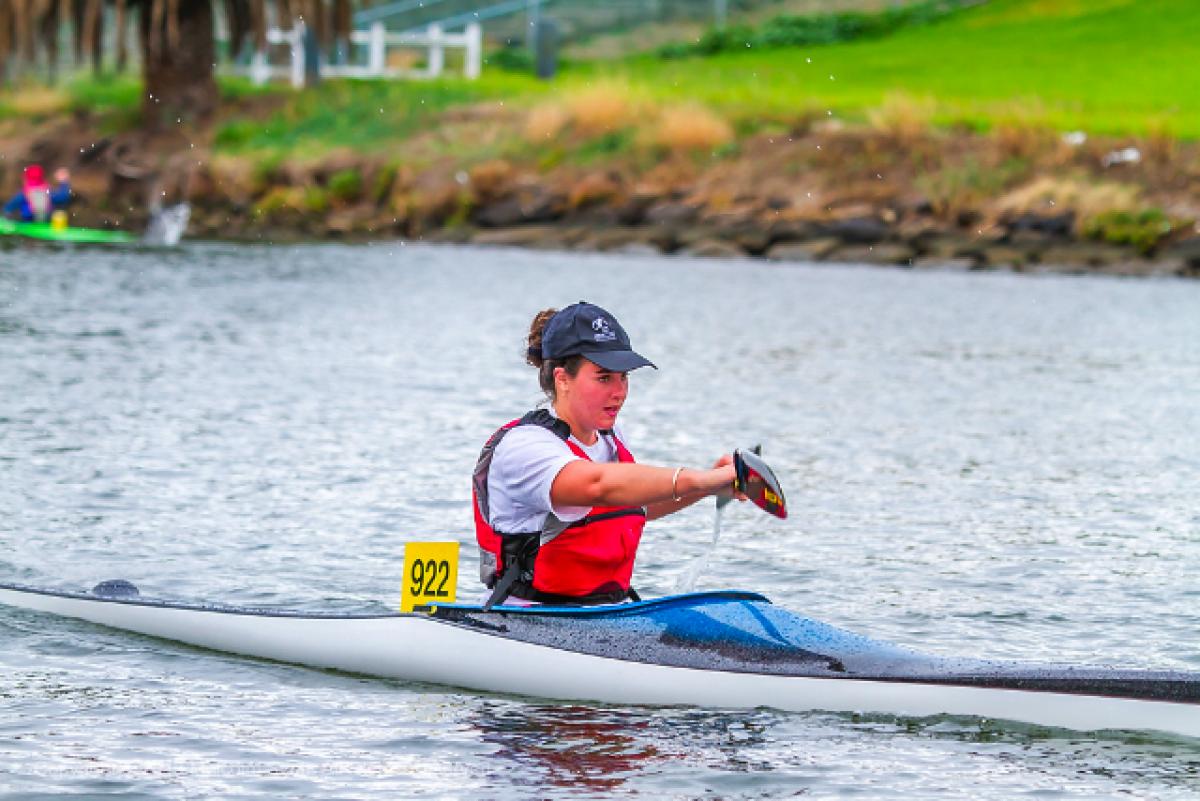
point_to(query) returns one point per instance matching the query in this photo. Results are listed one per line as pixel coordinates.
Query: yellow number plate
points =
(430, 574)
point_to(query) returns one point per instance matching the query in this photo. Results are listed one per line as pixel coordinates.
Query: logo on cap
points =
(604, 332)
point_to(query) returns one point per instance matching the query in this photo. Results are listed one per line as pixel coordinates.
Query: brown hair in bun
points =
(545, 367)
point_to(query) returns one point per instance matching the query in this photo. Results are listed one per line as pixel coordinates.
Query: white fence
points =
(377, 40)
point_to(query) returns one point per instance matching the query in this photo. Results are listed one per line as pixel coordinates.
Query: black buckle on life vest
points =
(518, 552)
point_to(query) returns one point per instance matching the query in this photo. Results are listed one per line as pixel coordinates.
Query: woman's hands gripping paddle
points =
(754, 478)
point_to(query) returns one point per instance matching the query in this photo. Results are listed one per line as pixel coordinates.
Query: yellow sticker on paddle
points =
(430, 574)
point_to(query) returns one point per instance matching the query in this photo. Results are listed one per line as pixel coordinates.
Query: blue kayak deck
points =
(744, 632)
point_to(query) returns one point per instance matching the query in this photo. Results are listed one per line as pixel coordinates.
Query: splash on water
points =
(167, 225)
(687, 581)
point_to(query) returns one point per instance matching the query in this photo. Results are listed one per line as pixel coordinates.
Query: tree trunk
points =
(177, 66)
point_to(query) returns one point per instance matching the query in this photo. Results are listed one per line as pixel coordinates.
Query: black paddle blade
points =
(758, 483)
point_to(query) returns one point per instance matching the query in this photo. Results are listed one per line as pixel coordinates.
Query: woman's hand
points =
(730, 492)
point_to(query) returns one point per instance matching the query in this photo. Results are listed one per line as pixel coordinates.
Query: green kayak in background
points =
(48, 231)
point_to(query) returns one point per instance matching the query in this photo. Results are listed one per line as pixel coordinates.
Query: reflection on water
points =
(990, 465)
(567, 746)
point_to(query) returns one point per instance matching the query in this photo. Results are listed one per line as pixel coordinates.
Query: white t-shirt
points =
(523, 468)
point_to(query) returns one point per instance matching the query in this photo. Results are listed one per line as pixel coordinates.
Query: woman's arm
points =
(585, 483)
(663, 508)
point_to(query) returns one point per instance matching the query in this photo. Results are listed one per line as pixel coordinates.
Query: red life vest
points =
(589, 561)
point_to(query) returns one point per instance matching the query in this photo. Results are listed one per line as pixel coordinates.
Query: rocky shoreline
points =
(815, 195)
(603, 212)
(1030, 245)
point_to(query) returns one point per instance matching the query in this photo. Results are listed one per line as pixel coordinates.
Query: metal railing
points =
(517, 19)
(375, 42)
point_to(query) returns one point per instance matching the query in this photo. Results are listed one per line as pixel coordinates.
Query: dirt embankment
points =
(1024, 200)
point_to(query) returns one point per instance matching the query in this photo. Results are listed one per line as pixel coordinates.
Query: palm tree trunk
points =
(178, 50)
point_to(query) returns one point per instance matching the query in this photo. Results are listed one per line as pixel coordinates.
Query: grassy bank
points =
(1113, 67)
(1104, 66)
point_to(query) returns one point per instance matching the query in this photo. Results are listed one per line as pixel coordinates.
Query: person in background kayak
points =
(37, 200)
(559, 501)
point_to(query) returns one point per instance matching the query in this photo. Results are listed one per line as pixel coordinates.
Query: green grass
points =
(106, 93)
(366, 116)
(1105, 66)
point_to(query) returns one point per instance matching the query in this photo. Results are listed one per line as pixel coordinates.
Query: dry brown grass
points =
(690, 127)
(545, 123)
(36, 101)
(1161, 143)
(491, 178)
(592, 189)
(903, 116)
(603, 107)
(1086, 198)
(1027, 141)
(398, 59)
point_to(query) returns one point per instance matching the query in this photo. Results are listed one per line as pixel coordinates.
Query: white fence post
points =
(473, 52)
(376, 50)
(437, 51)
(297, 42)
(259, 70)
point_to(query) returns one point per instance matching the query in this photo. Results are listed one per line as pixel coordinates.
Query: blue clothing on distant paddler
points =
(37, 200)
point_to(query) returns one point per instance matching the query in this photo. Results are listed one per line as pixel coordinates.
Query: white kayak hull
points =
(421, 648)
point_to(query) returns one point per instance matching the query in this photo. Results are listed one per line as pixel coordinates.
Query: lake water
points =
(976, 464)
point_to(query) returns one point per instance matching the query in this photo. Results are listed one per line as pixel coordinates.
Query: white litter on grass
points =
(1074, 138)
(1126, 155)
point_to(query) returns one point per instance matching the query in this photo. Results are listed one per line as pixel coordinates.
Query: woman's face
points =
(591, 400)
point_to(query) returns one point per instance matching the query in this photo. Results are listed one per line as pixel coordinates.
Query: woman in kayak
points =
(37, 200)
(559, 502)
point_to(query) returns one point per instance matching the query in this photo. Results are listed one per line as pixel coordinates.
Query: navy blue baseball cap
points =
(584, 329)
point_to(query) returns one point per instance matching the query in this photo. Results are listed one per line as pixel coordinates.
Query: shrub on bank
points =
(789, 30)
(316, 200)
(385, 179)
(346, 185)
(1143, 230)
